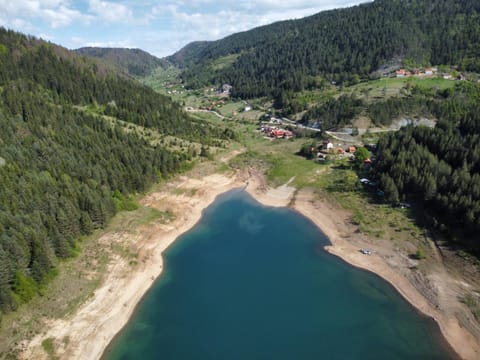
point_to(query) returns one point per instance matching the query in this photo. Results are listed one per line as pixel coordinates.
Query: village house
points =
(281, 133)
(327, 145)
(276, 133)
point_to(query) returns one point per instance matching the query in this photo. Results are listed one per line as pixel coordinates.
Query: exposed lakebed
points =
(253, 282)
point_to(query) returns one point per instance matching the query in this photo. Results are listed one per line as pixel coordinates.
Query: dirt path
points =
(190, 109)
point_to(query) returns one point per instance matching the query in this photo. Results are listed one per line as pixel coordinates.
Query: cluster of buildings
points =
(174, 88)
(402, 73)
(328, 148)
(276, 132)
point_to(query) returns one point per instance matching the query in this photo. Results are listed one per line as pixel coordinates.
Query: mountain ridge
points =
(342, 45)
(133, 61)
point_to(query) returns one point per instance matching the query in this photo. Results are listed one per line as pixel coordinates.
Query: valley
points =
(329, 193)
(107, 155)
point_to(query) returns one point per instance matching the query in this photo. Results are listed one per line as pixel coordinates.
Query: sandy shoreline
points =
(95, 324)
(462, 341)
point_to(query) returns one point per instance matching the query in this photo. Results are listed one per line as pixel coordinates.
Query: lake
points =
(253, 282)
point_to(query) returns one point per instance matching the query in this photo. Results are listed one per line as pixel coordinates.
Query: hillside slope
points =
(341, 45)
(64, 169)
(134, 62)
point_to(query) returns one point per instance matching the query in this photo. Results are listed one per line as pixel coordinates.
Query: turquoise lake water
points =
(253, 282)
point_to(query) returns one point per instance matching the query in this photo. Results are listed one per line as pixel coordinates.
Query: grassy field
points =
(373, 90)
(231, 108)
(224, 61)
(162, 76)
(388, 87)
(338, 181)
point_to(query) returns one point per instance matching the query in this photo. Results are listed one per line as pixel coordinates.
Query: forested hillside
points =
(340, 45)
(64, 169)
(189, 54)
(439, 168)
(134, 62)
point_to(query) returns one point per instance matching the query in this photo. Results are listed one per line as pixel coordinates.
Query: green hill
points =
(68, 158)
(134, 62)
(342, 45)
(189, 54)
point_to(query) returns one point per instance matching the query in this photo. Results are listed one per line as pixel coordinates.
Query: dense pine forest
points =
(439, 168)
(134, 62)
(344, 46)
(65, 171)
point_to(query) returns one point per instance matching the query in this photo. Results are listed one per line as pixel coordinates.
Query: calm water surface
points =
(252, 282)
